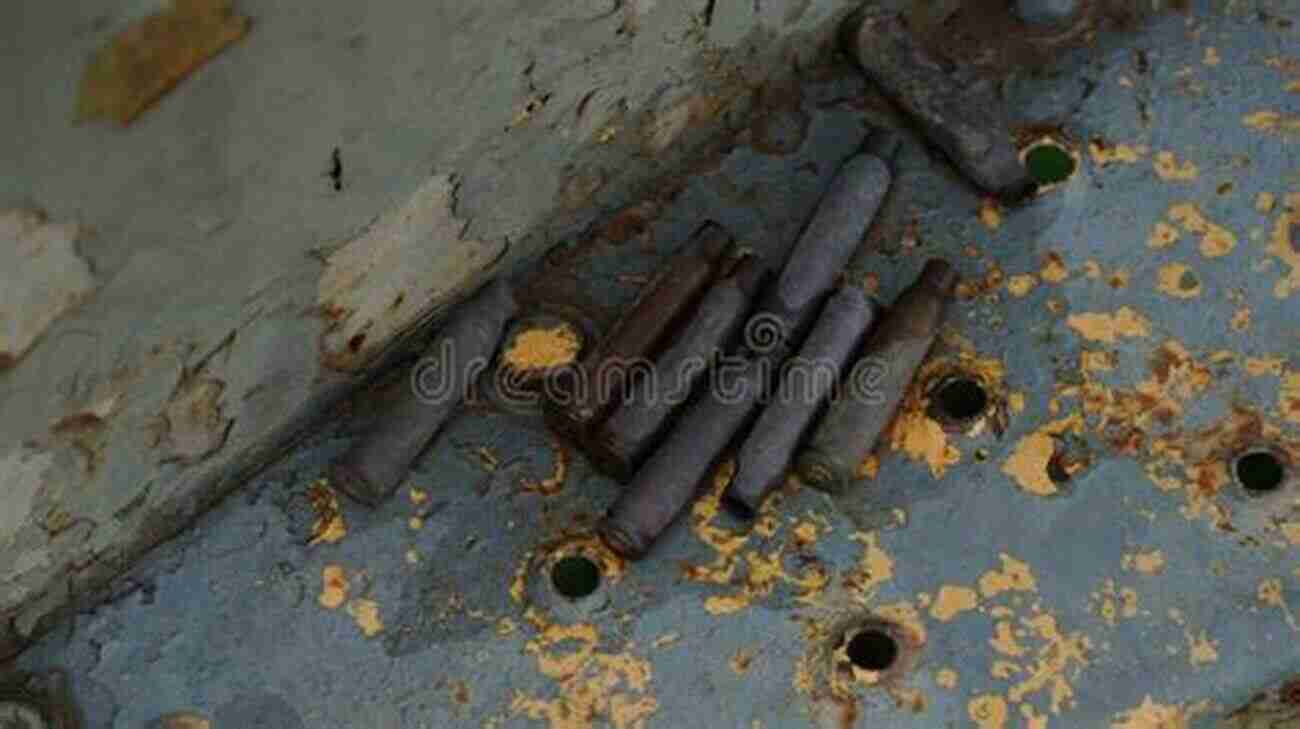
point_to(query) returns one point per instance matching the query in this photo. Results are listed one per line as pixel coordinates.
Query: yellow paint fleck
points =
(1147, 563)
(1287, 250)
(875, 566)
(988, 711)
(1033, 720)
(1004, 640)
(365, 613)
(1053, 269)
(1092, 360)
(1216, 241)
(1152, 715)
(412, 557)
(415, 522)
(1027, 464)
(989, 214)
(1264, 366)
(1169, 169)
(1288, 397)
(1055, 658)
(1264, 202)
(951, 601)
(1103, 155)
(805, 533)
(1272, 121)
(741, 661)
(417, 496)
(1016, 402)
(552, 484)
(506, 627)
(1269, 594)
(905, 614)
(923, 439)
(946, 678)
(1211, 56)
(1109, 328)
(1200, 649)
(1014, 576)
(666, 640)
(1240, 319)
(1178, 281)
(1004, 670)
(1020, 285)
(1091, 269)
(334, 587)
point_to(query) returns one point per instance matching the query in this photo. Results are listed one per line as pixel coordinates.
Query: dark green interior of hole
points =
(873, 650)
(1259, 472)
(575, 577)
(1048, 163)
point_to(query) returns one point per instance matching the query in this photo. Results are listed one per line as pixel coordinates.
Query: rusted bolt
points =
(1259, 471)
(575, 576)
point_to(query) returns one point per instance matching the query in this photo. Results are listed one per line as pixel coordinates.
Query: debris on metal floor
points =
(1084, 511)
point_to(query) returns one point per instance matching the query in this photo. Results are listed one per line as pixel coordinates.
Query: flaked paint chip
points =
(988, 711)
(1148, 563)
(989, 214)
(946, 678)
(1240, 321)
(1288, 397)
(1216, 241)
(1169, 169)
(1286, 249)
(1028, 463)
(1103, 154)
(334, 587)
(329, 526)
(952, 601)
(413, 254)
(1053, 269)
(144, 62)
(1211, 56)
(42, 278)
(1267, 120)
(1264, 202)
(542, 348)
(1014, 576)
(1020, 285)
(1110, 328)
(1201, 650)
(1178, 280)
(365, 613)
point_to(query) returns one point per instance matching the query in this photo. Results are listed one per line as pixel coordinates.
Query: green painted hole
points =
(1049, 164)
(873, 650)
(575, 577)
(1259, 472)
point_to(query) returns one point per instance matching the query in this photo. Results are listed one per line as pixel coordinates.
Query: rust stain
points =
(1216, 241)
(365, 613)
(143, 62)
(1152, 715)
(329, 527)
(1148, 563)
(1103, 154)
(553, 483)
(1021, 285)
(952, 601)
(334, 587)
(1053, 269)
(1028, 463)
(1285, 248)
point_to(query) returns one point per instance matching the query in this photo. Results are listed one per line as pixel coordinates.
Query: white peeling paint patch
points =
(410, 261)
(41, 278)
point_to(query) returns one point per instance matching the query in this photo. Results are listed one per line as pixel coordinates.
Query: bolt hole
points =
(961, 399)
(873, 650)
(575, 577)
(1259, 472)
(1049, 164)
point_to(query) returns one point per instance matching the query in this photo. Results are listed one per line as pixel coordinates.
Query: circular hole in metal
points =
(1049, 164)
(1259, 472)
(873, 650)
(961, 399)
(575, 577)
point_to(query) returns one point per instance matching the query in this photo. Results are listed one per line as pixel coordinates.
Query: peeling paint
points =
(1152, 715)
(1109, 328)
(334, 587)
(1178, 280)
(1285, 248)
(1014, 576)
(1216, 241)
(365, 613)
(1169, 169)
(951, 601)
(1148, 563)
(1028, 463)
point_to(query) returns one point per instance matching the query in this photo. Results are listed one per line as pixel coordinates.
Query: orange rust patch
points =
(147, 59)
(1178, 281)
(329, 527)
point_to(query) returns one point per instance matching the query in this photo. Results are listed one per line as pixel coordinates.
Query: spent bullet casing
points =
(622, 441)
(806, 383)
(372, 468)
(670, 477)
(576, 402)
(877, 382)
(824, 248)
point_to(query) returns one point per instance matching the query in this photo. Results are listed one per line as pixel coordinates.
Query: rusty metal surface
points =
(1076, 555)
